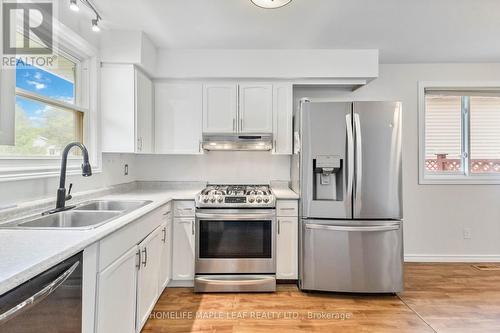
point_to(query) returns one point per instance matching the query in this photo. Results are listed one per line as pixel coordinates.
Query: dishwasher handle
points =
(353, 228)
(39, 296)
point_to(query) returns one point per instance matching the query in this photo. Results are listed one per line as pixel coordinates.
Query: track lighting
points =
(95, 26)
(73, 5)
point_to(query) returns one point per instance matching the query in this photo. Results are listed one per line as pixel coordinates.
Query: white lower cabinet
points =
(183, 249)
(287, 252)
(133, 270)
(165, 252)
(116, 299)
(147, 279)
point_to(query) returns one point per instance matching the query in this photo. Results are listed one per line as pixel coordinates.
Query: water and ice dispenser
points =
(327, 178)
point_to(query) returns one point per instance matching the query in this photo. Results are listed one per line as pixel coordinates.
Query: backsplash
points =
(215, 167)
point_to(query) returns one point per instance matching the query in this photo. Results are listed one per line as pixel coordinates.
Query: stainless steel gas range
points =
(235, 239)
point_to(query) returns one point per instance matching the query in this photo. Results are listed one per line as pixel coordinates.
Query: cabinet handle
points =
(138, 260)
(275, 148)
(200, 147)
(166, 213)
(145, 251)
(287, 208)
(234, 124)
(192, 227)
(241, 123)
(164, 240)
(279, 226)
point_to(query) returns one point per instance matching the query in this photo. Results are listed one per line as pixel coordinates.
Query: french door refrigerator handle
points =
(38, 296)
(349, 228)
(359, 164)
(350, 158)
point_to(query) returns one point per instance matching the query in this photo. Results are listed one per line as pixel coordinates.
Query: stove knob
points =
(251, 199)
(219, 199)
(205, 199)
(259, 199)
(266, 199)
(212, 199)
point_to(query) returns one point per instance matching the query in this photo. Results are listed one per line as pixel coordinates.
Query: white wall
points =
(215, 167)
(435, 215)
(13, 192)
(284, 64)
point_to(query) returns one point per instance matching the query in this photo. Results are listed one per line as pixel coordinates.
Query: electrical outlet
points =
(467, 233)
(125, 170)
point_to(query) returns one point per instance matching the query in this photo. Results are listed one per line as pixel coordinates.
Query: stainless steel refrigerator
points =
(347, 168)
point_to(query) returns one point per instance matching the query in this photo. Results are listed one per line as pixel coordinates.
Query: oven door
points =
(235, 241)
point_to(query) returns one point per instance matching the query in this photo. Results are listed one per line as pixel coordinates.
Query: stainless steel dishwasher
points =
(50, 302)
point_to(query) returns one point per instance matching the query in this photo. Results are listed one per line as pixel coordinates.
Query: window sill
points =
(27, 173)
(459, 180)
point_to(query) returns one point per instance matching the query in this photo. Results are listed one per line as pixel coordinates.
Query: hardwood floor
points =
(437, 298)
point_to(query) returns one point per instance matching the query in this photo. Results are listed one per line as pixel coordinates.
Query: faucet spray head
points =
(86, 169)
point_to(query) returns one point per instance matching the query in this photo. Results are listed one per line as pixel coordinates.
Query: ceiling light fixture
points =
(270, 4)
(95, 26)
(73, 5)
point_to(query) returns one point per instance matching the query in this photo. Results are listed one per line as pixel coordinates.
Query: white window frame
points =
(20, 168)
(451, 178)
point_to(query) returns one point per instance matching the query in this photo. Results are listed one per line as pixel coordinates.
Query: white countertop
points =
(27, 253)
(284, 193)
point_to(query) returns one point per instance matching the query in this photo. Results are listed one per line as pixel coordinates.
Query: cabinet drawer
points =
(286, 208)
(114, 245)
(184, 208)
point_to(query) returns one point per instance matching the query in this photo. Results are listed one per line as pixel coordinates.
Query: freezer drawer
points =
(352, 256)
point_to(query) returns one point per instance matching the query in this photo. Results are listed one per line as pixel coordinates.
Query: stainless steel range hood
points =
(237, 142)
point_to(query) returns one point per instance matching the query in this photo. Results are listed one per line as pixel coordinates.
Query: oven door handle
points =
(257, 217)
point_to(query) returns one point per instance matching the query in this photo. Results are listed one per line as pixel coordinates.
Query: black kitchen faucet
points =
(61, 191)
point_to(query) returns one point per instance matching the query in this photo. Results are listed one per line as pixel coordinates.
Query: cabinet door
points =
(178, 118)
(116, 296)
(165, 257)
(149, 271)
(219, 108)
(255, 108)
(282, 118)
(117, 108)
(143, 113)
(183, 249)
(287, 248)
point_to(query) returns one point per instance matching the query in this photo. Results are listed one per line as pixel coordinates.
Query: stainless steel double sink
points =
(87, 215)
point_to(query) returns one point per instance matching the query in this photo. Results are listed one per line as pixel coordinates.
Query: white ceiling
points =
(405, 31)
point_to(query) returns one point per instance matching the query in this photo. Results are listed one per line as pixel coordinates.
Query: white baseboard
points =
(451, 258)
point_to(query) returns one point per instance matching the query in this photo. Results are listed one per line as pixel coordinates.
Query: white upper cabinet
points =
(282, 118)
(127, 110)
(220, 108)
(143, 113)
(178, 118)
(255, 108)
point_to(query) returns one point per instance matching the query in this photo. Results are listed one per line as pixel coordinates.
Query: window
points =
(53, 106)
(46, 116)
(460, 135)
